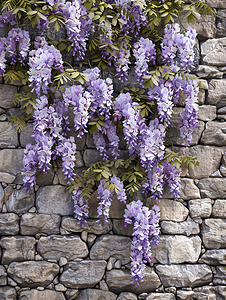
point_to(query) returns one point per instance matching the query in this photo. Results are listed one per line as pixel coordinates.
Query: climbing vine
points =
(144, 34)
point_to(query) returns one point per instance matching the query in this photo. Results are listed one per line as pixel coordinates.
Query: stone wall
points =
(46, 255)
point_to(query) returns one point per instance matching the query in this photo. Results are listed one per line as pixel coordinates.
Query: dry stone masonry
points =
(45, 254)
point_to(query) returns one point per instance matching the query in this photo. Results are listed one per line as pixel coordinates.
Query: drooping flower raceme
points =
(144, 52)
(172, 177)
(121, 192)
(105, 197)
(145, 231)
(81, 206)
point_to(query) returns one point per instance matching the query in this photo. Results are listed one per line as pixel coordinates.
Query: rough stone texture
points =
(3, 276)
(184, 275)
(119, 228)
(116, 209)
(214, 257)
(25, 135)
(41, 295)
(109, 245)
(6, 94)
(160, 296)
(187, 227)
(127, 296)
(83, 274)
(185, 295)
(11, 161)
(177, 249)
(174, 131)
(55, 246)
(213, 52)
(120, 281)
(32, 223)
(188, 189)
(9, 224)
(212, 188)
(170, 210)
(17, 249)
(208, 72)
(33, 273)
(219, 277)
(71, 225)
(54, 200)
(219, 209)
(20, 201)
(207, 113)
(7, 293)
(214, 233)
(217, 93)
(93, 294)
(221, 23)
(8, 136)
(202, 153)
(6, 177)
(214, 134)
(200, 208)
(45, 179)
(210, 293)
(216, 3)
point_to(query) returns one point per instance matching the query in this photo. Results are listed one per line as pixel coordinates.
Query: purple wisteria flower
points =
(105, 197)
(2, 59)
(121, 192)
(81, 207)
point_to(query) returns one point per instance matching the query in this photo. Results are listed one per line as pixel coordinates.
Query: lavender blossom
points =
(105, 196)
(81, 207)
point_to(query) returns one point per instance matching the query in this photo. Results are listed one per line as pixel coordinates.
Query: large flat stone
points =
(6, 94)
(11, 161)
(174, 130)
(208, 72)
(9, 224)
(214, 257)
(83, 274)
(213, 52)
(120, 229)
(8, 136)
(214, 233)
(25, 135)
(41, 295)
(20, 201)
(111, 246)
(94, 294)
(212, 188)
(187, 227)
(214, 134)
(7, 293)
(120, 281)
(117, 208)
(216, 3)
(127, 296)
(54, 200)
(184, 275)
(3, 276)
(177, 249)
(160, 296)
(221, 23)
(55, 246)
(219, 209)
(219, 277)
(217, 93)
(202, 153)
(200, 208)
(33, 273)
(170, 210)
(32, 223)
(71, 225)
(188, 189)
(210, 292)
(17, 249)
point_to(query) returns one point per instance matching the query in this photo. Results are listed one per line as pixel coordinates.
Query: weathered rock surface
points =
(210, 292)
(174, 131)
(20, 201)
(8, 135)
(213, 52)
(214, 134)
(17, 249)
(214, 257)
(160, 296)
(94, 294)
(9, 224)
(219, 277)
(32, 223)
(187, 227)
(207, 113)
(217, 93)
(118, 228)
(185, 295)
(6, 94)
(200, 208)
(170, 210)
(221, 23)
(111, 245)
(25, 135)
(208, 72)
(117, 208)
(184, 275)
(188, 189)
(7, 293)
(11, 161)
(120, 281)
(54, 200)
(214, 233)
(127, 296)
(41, 295)
(71, 225)
(212, 188)
(6, 177)
(202, 153)
(3, 276)
(83, 274)
(219, 209)
(55, 246)
(177, 249)
(33, 273)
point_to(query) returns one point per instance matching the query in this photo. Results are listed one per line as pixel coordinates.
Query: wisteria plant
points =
(113, 33)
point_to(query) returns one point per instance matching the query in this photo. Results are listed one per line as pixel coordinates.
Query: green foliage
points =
(177, 159)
